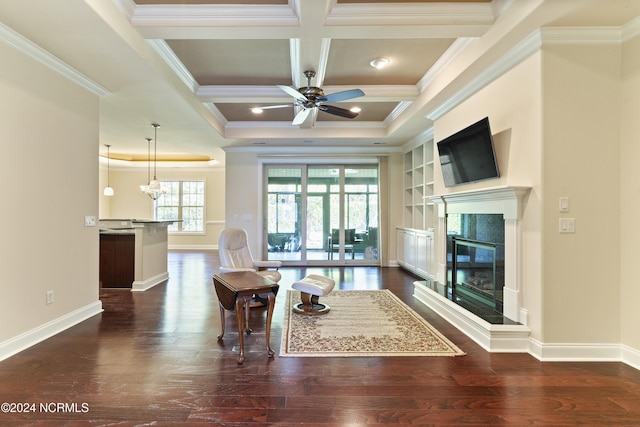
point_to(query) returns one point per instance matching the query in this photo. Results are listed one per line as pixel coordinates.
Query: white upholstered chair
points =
(235, 255)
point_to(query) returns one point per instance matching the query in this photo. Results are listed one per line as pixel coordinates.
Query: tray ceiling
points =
(198, 67)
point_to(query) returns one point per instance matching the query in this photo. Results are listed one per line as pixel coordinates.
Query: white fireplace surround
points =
(507, 201)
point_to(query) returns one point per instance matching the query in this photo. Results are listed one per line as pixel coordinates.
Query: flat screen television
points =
(468, 155)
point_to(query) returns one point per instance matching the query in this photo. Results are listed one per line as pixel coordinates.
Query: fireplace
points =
(485, 224)
(475, 259)
(474, 273)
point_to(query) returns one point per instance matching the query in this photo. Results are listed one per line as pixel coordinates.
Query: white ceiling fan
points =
(311, 97)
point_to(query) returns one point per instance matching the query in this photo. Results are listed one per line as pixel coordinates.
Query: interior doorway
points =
(322, 214)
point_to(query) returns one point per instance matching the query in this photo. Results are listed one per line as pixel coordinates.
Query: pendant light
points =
(108, 191)
(153, 188)
(144, 187)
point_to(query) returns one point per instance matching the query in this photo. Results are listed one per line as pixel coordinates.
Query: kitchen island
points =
(133, 253)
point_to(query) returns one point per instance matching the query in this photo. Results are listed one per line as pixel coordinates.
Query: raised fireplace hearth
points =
(478, 258)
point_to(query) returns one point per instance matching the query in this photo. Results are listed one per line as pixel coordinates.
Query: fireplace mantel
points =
(508, 201)
(504, 200)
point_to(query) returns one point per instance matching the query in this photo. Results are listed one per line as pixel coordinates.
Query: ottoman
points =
(311, 288)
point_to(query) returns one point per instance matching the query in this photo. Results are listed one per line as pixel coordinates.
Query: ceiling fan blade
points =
(342, 96)
(269, 107)
(337, 111)
(301, 117)
(291, 91)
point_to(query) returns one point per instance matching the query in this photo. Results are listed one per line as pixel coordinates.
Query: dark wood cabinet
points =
(117, 260)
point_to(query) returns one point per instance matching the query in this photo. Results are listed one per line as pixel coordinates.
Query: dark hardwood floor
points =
(152, 358)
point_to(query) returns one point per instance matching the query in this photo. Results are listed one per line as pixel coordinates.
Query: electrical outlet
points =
(89, 221)
(50, 297)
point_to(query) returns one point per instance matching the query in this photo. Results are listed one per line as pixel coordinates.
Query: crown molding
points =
(589, 36)
(119, 164)
(520, 52)
(631, 30)
(424, 136)
(126, 6)
(26, 46)
(216, 113)
(440, 65)
(168, 55)
(411, 14)
(221, 15)
(258, 94)
(395, 113)
(305, 154)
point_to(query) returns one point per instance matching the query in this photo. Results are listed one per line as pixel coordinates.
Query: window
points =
(184, 200)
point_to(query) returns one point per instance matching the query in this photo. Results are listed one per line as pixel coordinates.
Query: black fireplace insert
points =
(474, 272)
(475, 259)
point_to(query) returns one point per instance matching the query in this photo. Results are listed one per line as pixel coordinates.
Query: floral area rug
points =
(361, 323)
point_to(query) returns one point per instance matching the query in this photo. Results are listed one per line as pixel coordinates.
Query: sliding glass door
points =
(322, 214)
(284, 213)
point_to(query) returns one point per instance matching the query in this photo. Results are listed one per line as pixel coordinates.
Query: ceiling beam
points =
(268, 94)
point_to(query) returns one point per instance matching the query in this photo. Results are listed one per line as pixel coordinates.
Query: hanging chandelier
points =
(153, 188)
(108, 191)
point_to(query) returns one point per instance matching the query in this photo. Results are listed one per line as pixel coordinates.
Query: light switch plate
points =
(567, 225)
(564, 204)
(89, 221)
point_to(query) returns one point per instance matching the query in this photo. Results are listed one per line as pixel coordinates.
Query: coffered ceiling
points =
(199, 67)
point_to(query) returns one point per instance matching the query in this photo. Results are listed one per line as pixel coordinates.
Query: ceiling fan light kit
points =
(312, 97)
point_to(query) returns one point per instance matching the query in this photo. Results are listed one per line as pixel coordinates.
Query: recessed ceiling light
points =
(379, 63)
(256, 110)
(355, 109)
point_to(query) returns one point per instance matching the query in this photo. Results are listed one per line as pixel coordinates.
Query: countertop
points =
(126, 230)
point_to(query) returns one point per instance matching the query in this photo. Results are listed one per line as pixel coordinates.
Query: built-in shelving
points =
(418, 185)
(415, 240)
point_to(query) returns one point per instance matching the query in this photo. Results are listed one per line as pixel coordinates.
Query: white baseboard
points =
(143, 285)
(34, 336)
(586, 353)
(631, 356)
(563, 352)
(516, 339)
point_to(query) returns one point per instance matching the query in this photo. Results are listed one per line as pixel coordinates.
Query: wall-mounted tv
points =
(468, 155)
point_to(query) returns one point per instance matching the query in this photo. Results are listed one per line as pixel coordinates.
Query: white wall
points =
(48, 182)
(394, 208)
(243, 196)
(129, 202)
(556, 122)
(513, 105)
(630, 196)
(581, 122)
(244, 187)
